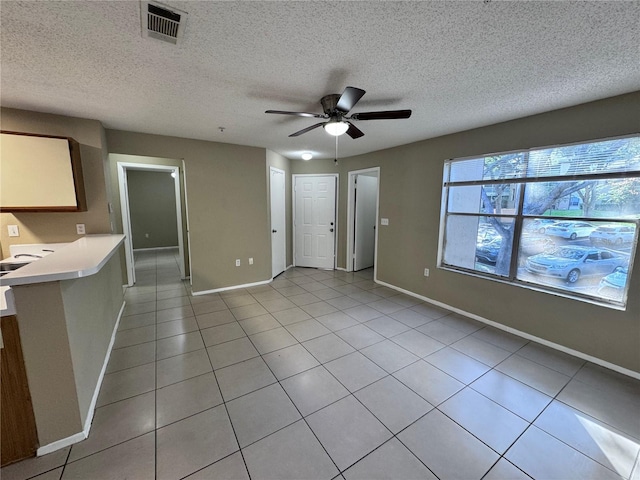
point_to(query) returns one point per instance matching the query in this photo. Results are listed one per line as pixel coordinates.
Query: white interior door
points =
(315, 218)
(278, 226)
(365, 221)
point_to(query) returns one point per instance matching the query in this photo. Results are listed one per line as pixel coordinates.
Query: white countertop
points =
(7, 305)
(84, 257)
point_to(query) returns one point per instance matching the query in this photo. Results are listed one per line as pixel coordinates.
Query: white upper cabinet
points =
(40, 174)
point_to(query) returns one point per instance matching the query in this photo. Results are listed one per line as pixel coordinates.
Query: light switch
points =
(384, 221)
(13, 230)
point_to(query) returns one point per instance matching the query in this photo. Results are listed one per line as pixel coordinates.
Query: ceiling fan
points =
(336, 109)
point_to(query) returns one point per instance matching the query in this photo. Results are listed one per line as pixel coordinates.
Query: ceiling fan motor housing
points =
(329, 103)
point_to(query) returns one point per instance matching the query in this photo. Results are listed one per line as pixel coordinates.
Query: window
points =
(562, 219)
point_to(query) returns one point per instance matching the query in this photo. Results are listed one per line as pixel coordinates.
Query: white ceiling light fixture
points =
(336, 127)
(307, 156)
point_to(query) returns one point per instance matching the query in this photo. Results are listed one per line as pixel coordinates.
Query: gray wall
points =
(152, 205)
(410, 195)
(228, 207)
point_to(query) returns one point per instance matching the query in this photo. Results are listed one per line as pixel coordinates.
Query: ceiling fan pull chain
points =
(335, 159)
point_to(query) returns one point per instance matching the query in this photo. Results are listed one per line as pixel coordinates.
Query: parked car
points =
(538, 225)
(613, 234)
(487, 252)
(572, 263)
(613, 285)
(570, 230)
(483, 267)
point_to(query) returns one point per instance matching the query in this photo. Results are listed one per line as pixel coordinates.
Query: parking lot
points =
(586, 285)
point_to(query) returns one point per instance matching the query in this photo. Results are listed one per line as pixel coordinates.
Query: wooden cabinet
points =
(40, 174)
(19, 435)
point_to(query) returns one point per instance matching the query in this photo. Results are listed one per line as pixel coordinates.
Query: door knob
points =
(331, 229)
(274, 231)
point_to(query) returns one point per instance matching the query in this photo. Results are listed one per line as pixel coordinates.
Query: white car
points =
(570, 230)
(613, 234)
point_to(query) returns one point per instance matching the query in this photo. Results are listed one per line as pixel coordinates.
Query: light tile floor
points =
(328, 375)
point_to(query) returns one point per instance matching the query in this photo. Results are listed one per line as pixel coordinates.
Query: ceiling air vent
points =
(162, 22)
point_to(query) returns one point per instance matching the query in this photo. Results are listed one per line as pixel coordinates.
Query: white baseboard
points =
(233, 287)
(153, 249)
(62, 443)
(519, 333)
(78, 437)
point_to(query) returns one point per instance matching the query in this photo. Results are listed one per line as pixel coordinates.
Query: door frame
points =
(126, 213)
(284, 215)
(351, 204)
(186, 220)
(293, 212)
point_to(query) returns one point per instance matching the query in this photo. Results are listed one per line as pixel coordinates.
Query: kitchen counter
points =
(7, 305)
(84, 257)
(67, 308)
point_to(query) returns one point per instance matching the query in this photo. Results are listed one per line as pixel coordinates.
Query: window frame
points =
(519, 217)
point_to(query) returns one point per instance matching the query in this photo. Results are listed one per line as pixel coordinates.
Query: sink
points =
(23, 254)
(10, 267)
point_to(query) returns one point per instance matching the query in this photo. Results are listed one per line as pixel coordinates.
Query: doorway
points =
(362, 215)
(315, 226)
(278, 223)
(123, 169)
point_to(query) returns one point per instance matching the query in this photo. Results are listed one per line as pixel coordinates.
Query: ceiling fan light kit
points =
(336, 109)
(336, 128)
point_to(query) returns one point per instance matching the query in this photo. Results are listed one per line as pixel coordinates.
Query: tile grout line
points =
(226, 409)
(279, 381)
(302, 417)
(467, 385)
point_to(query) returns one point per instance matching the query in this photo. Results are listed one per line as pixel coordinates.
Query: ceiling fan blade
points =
(349, 98)
(354, 132)
(308, 129)
(297, 114)
(385, 115)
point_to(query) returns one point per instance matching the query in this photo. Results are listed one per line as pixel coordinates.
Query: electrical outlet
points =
(237, 262)
(250, 260)
(13, 230)
(426, 272)
(80, 229)
(384, 221)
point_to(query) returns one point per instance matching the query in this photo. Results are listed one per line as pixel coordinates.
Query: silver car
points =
(570, 230)
(613, 234)
(613, 285)
(572, 263)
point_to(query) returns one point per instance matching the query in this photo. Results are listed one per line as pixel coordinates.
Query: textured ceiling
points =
(457, 64)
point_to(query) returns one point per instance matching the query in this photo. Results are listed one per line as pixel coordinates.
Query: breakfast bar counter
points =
(84, 257)
(67, 306)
